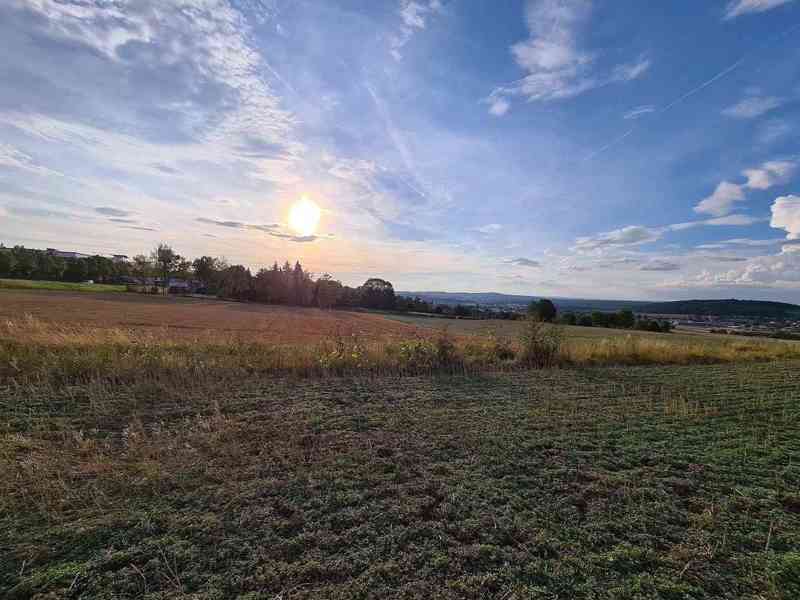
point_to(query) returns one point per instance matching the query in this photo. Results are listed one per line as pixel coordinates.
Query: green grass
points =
(64, 286)
(638, 482)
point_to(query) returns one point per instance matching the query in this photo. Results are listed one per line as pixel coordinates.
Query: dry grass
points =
(32, 350)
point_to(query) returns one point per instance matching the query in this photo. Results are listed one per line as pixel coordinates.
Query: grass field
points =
(644, 482)
(167, 448)
(63, 286)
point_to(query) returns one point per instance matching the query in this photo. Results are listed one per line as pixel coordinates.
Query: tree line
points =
(545, 310)
(163, 267)
(27, 263)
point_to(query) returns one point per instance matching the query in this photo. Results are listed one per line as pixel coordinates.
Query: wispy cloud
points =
(636, 235)
(110, 211)
(524, 262)
(752, 107)
(743, 242)
(272, 229)
(639, 111)
(660, 265)
(632, 235)
(11, 157)
(414, 15)
(737, 8)
(489, 229)
(557, 65)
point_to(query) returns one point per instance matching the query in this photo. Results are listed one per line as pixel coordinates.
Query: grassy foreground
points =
(638, 482)
(64, 286)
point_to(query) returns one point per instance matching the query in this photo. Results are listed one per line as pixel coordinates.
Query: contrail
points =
(702, 86)
(699, 88)
(609, 144)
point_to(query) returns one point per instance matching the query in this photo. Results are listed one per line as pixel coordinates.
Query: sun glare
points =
(304, 216)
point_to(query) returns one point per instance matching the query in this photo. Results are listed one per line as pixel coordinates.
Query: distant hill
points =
(723, 308)
(497, 299)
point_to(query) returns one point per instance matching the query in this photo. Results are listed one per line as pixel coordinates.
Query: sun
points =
(304, 216)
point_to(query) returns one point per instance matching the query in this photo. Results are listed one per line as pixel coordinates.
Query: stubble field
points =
(175, 319)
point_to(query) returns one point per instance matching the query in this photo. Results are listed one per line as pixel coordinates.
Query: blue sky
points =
(590, 148)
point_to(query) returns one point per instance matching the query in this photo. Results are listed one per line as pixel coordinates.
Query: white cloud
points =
(728, 220)
(632, 235)
(499, 107)
(737, 8)
(660, 265)
(722, 200)
(786, 215)
(556, 65)
(413, 15)
(774, 130)
(753, 107)
(781, 268)
(15, 158)
(489, 229)
(632, 70)
(770, 173)
(525, 262)
(727, 194)
(746, 242)
(639, 111)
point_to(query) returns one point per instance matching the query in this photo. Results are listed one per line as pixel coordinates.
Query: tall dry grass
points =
(34, 351)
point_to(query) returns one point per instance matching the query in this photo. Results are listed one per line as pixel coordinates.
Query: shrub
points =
(540, 344)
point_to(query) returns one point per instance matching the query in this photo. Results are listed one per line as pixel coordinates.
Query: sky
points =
(565, 148)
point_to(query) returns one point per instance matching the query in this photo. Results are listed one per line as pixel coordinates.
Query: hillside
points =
(724, 308)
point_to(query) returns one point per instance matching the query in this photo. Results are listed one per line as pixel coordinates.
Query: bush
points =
(540, 344)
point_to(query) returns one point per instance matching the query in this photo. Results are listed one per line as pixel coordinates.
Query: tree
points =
(262, 285)
(99, 268)
(569, 319)
(328, 291)
(461, 311)
(7, 263)
(184, 269)
(207, 269)
(141, 268)
(48, 268)
(586, 321)
(543, 310)
(378, 293)
(626, 319)
(236, 283)
(599, 319)
(25, 262)
(76, 270)
(166, 261)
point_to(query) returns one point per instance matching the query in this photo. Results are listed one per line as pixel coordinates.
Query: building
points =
(66, 254)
